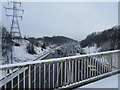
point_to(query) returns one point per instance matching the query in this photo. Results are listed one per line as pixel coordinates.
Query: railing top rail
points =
(54, 60)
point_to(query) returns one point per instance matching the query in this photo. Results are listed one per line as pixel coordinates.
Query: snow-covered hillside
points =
(102, 41)
(20, 53)
(92, 49)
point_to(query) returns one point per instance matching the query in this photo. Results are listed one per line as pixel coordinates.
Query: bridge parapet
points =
(59, 72)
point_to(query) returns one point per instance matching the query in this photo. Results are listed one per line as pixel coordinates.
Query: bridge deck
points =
(109, 82)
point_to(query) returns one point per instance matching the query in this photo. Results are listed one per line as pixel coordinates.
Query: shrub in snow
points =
(17, 44)
(30, 49)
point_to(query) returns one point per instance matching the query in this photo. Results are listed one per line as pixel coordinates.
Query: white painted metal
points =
(39, 76)
(35, 76)
(69, 79)
(44, 76)
(29, 77)
(95, 65)
(75, 70)
(12, 79)
(87, 66)
(90, 61)
(18, 77)
(24, 79)
(84, 68)
(57, 74)
(72, 71)
(90, 67)
(49, 75)
(81, 68)
(78, 69)
(61, 73)
(53, 75)
(5, 77)
(65, 72)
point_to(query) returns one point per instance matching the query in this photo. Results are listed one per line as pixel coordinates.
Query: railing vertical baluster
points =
(44, 76)
(49, 75)
(61, 72)
(5, 78)
(87, 65)
(69, 79)
(65, 72)
(18, 77)
(102, 65)
(68, 74)
(57, 74)
(111, 62)
(39, 75)
(24, 79)
(84, 67)
(29, 72)
(81, 68)
(95, 66)
(53, 75)
(72, 70)
(75, 70)
(35, 76)
(90, 67)
(78, 69)
(12, 78)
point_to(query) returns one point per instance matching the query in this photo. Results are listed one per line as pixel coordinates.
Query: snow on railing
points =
(58, 72)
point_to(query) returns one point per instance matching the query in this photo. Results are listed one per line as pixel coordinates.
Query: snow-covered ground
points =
(92, 49)
(109, 82)
(20, 53)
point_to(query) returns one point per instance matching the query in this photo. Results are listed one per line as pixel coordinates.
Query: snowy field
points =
(109, 82)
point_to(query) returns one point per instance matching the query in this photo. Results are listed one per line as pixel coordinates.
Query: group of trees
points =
(108, 39)
(6, 45)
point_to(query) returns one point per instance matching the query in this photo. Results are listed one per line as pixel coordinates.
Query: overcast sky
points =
(74, 20)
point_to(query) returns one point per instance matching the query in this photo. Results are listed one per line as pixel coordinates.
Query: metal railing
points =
(58, 72)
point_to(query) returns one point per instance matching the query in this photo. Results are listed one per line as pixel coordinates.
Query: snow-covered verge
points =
(92, 49)
(110, 82)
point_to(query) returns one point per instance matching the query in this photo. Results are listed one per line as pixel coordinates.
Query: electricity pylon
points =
(14, 9)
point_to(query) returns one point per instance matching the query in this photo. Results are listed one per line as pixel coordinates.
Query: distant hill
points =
(58, 40)
(106, 40)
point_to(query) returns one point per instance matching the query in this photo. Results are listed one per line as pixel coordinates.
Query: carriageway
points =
(66, 72)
